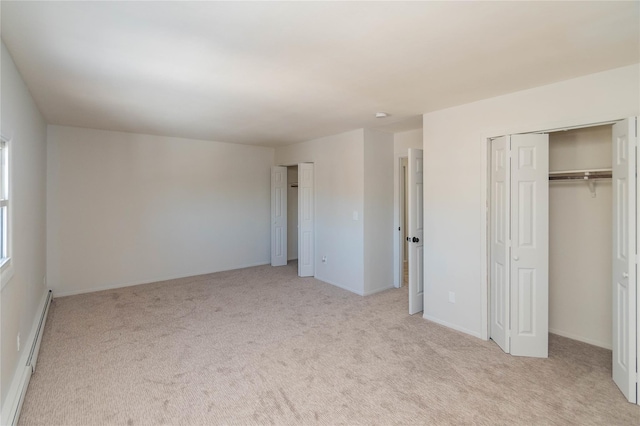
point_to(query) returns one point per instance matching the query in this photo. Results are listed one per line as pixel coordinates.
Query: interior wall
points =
(455, 164)
(378, 208)
(23, 286)
(125, 209)
(339, 203)
(292, 213)
(580, 238)
(402, 141)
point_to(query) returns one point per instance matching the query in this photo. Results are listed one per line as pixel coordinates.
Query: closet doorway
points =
(562, 242)
(292, 217)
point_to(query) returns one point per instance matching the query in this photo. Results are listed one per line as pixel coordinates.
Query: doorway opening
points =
(403, 245)
(292, 217)
(292, 213)
(408, 251)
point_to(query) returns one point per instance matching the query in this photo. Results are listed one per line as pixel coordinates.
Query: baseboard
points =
(377, 290)
(339, 285)
(580, 338)
(26, 365)
(149, 281)
(452, 326)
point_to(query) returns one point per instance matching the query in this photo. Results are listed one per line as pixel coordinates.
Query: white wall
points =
(378, 211)
(402, 141)
(580, 238)
(339, 192)
(125, 208)
(292, 213)
(455, 177)
(23, 293)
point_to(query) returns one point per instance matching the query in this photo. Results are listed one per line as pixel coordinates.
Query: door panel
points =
(278, 216)
(416, 231)
(624, 253)
(305, 220)
(499, 240)
(529, 263)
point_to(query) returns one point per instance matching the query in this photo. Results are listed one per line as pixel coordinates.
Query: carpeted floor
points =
(262, 346)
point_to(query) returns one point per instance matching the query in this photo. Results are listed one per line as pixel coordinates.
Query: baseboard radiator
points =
(29, 366)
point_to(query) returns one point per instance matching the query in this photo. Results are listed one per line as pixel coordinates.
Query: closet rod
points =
(580, 175)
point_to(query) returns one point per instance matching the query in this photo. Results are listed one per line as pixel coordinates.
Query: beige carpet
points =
(261, 346)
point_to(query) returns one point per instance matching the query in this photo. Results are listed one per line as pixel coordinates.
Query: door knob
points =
(409, 239)
(516, 258)
(625, 275)
(416, 240)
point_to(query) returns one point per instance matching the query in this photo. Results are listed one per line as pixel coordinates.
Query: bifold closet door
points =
(306, 242)
(624, 258)
(529, 271)
(278, 216)
(519, 247)
(499, 234)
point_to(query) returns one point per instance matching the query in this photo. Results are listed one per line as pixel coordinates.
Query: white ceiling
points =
(283, 72)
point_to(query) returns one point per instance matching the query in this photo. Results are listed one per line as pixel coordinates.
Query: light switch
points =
(355, 215)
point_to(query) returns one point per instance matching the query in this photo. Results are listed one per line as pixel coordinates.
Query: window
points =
(4, 201)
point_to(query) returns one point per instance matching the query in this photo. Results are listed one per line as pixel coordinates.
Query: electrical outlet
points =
(324, 259)
(18, 341)
(452, 297)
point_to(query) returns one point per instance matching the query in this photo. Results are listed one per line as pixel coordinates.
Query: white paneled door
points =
(278, 216)
(529, 270)
(416, 231)
(519, 245)
(624, 354)
(306, 252)
(499, 235)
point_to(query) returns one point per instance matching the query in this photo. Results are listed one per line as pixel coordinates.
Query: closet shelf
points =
(588, 176)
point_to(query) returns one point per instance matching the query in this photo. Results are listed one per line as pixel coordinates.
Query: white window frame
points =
(6, 271)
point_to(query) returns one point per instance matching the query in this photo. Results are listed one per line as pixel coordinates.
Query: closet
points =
(562, 232)
(580, 234)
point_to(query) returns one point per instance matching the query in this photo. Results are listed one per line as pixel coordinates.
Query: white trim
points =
(580, 338)
(22, 376)
(453, 326)
(151, 280)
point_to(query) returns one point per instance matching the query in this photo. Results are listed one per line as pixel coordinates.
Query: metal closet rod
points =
(581, 174)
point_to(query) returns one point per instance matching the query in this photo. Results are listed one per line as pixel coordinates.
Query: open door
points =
(415, 232)
(624, 258)
(529, 270)
(499, 239)
(278, 216)
(306, 251)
